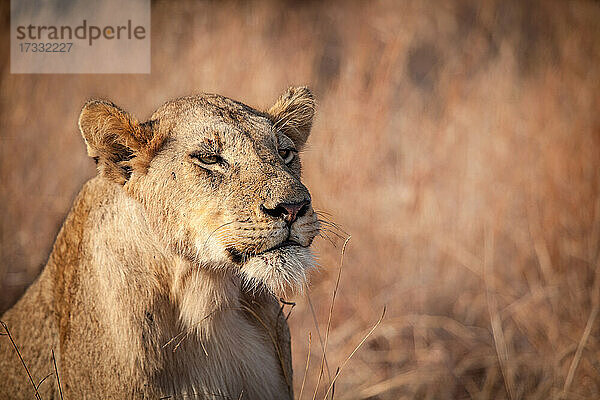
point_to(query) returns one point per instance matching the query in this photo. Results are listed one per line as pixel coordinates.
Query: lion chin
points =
(282, 271)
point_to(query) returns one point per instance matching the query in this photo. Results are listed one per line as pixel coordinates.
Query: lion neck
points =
(141, 272)
(176, 320)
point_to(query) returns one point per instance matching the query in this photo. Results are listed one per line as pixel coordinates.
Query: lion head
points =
(218, 181)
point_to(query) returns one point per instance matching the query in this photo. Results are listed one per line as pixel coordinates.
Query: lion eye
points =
(206, 159)
(287, 155)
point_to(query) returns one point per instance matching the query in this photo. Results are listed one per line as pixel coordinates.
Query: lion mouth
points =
(285, 243)
(239, 256)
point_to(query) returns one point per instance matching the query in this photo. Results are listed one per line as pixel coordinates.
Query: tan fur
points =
(161, 281)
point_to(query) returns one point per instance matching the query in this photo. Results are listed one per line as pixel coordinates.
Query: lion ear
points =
(293, 114)
(116, 140)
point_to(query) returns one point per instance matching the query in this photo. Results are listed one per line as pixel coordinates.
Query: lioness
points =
(162, 279)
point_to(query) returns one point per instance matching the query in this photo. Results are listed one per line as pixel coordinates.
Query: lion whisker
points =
(221, 226)
(333, 226)
(326, 237)
(339, 236)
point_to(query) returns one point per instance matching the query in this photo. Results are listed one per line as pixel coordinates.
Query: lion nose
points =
(290, 212)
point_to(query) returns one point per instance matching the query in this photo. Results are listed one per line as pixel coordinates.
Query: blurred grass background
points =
(457, 142)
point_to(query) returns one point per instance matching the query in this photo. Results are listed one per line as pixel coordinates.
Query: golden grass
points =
(458, 142)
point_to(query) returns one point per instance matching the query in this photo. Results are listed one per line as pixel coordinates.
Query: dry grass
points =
(459, 144)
